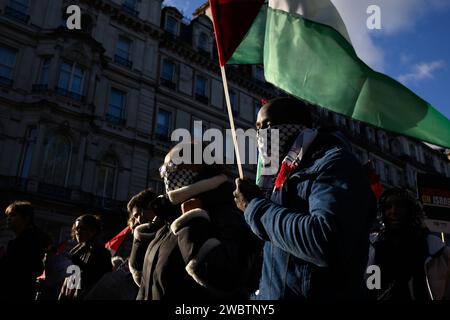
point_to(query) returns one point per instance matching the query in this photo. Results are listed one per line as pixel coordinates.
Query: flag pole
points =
(231, 119)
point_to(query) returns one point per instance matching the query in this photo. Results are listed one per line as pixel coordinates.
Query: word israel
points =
(213, 153)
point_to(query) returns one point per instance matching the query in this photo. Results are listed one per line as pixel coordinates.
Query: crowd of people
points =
(305, 232)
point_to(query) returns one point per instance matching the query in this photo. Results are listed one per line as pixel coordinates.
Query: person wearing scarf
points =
(316, 218)
(89, 255)
(414, 263)
(203, 249)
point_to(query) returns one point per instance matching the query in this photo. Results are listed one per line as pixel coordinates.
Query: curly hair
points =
(415, 211)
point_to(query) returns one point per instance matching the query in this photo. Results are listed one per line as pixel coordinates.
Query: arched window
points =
(106, 177)
(203, 42)
(413, 151)
(384, 144)
(57, 160)
(397, 147)
(31, 138)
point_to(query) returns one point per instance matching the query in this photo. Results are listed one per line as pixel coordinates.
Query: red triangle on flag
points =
(114, 244)
(232, 19)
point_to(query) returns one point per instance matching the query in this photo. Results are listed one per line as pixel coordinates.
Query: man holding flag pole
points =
(316, 223)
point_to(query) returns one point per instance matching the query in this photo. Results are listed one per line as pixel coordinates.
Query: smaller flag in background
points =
(114, 244)
(374, 181)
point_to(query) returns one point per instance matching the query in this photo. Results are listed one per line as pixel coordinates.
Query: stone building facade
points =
(86, 115)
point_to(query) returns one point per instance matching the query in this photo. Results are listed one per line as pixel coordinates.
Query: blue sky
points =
(413, 45)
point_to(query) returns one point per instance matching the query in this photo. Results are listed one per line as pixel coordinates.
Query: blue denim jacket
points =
(316, 230)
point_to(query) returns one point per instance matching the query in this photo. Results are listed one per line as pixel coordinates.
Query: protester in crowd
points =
(204, 250)
(138, 210)
(414, 264)
(119, 284)
(116, 263)
(89, 255)
(22, 262)
(316, 223)
(55, 271)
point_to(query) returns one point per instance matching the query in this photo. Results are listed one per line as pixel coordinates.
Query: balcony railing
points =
(123, 61)
(204, 53)
(115, 120)
(201, 98)
(168, 83)
(69, 94)
(13, 183)
(40, 87)
(129, 9)
(162, 137)
(5, 82)
(17, 15)
(172, 36)
(108, 203)
(54, 190)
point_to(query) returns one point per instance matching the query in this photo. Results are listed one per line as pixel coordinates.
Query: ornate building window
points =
(18, 9)
(413, 152)
(123, 52)
(107, 177)
(42, 83)
(129, 6)
(168, 74)
(233, 102)
(28, 151)
(71, 81)
(58, 153)
(171, 25)
(200, 89)
(7, 63)
(163, 121)
(203, 44)
(116, 106)
(259, 73)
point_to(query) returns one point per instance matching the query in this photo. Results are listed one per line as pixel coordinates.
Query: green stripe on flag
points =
(314, 62)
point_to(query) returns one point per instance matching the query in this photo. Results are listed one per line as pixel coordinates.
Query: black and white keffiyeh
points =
(180, 178)
(269, 150)
(294, 140)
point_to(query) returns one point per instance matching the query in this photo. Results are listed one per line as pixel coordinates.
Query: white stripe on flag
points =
(321, 11)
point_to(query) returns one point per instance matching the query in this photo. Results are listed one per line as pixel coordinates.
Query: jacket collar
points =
(435, 245)
(182, 194)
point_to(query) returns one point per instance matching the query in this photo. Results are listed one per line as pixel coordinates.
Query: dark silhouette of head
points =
(86, 228)
(138, 208)
(20, 216)
(284, 110)
(399, 210)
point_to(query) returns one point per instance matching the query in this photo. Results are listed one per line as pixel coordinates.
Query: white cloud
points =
(422, 71)
(396, 16)
(406, 58)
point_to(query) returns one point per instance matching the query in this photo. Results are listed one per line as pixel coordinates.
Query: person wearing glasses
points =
(203, 250)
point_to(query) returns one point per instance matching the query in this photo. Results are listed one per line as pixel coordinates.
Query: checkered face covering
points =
(178, 179)
(287, 133)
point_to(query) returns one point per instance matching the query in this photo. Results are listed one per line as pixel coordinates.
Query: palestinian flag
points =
(114, 244)
(306, 51)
